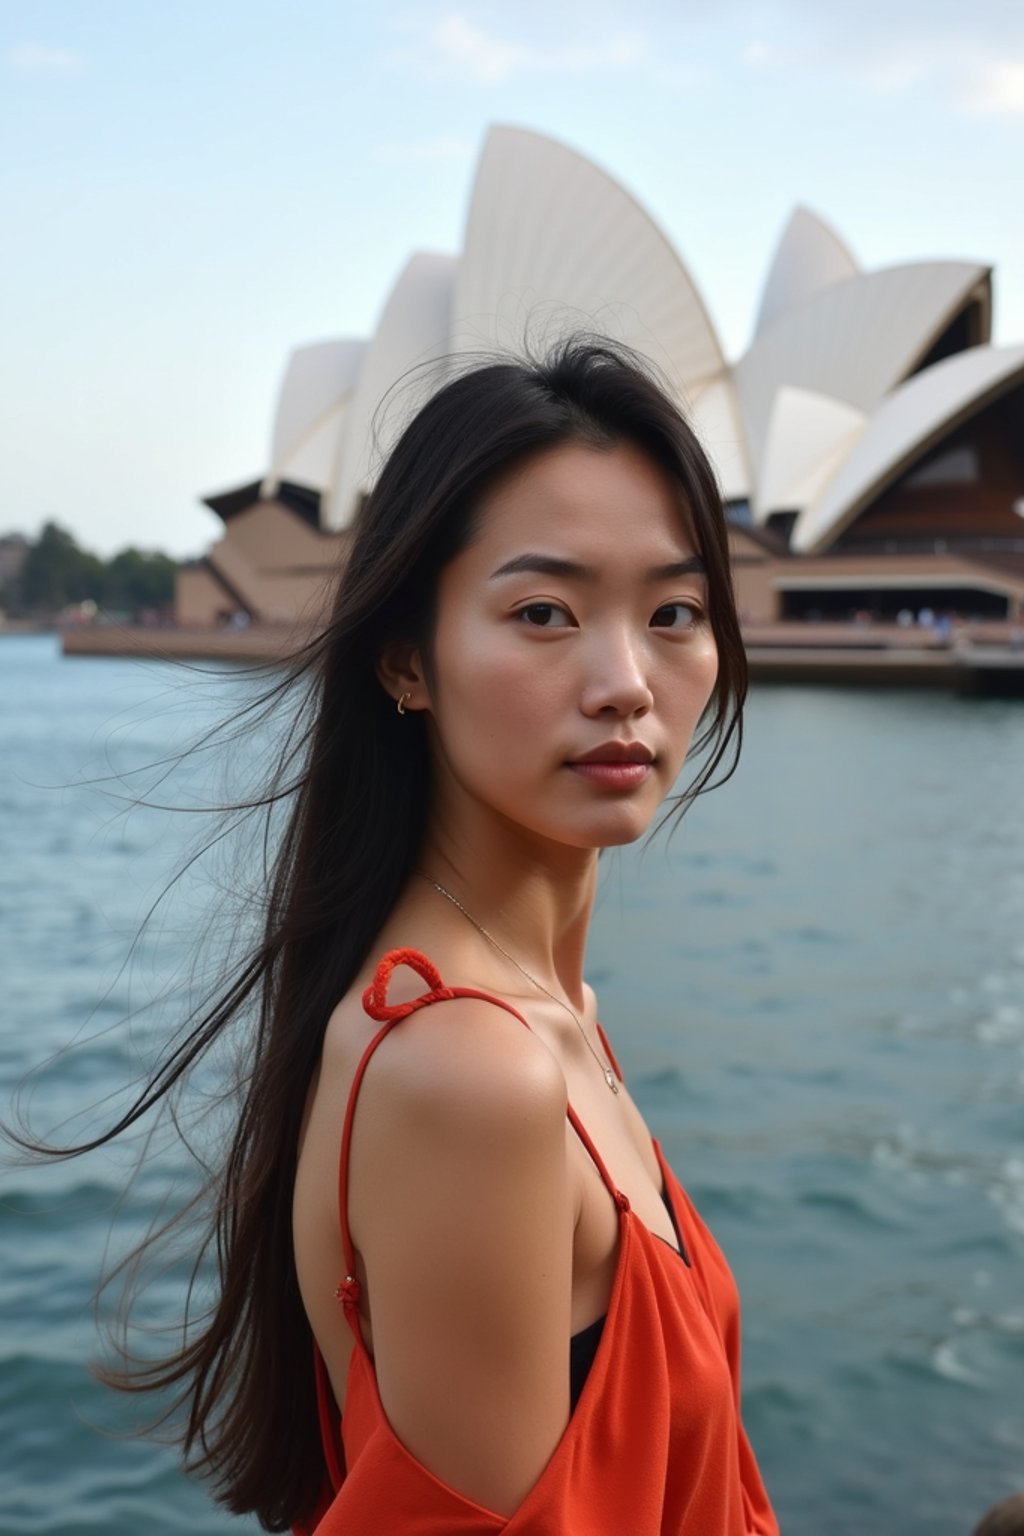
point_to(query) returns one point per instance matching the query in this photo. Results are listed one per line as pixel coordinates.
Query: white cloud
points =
(974, 74)
(34, 59)
(761, 54)
(887, 68)
(485, 58)
(893, 72)
(997, 89)
(456, 44)
(444, 148)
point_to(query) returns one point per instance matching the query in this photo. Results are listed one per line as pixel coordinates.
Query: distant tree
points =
(134, 579)
(57, 572)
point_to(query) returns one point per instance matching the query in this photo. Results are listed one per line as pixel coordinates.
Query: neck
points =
(535, 899)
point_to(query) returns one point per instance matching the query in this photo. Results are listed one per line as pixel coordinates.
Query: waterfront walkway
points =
(974, 657)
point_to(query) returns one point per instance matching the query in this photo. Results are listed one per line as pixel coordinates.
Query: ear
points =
(400, 672)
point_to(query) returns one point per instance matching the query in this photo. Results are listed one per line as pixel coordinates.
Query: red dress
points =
(655, 1446)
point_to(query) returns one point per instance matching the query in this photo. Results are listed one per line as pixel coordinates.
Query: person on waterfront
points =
(460, 1288)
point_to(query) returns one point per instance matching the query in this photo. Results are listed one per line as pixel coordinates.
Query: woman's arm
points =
(461, 1208)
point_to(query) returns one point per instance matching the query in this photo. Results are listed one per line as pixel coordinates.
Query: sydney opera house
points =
(869, 441)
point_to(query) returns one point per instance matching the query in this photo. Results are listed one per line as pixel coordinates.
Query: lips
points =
(617, 765)
(616, 752)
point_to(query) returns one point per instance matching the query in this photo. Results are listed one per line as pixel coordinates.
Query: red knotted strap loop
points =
(375, 998)
(348, 1293)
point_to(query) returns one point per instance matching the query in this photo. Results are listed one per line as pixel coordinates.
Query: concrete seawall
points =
(985, 658)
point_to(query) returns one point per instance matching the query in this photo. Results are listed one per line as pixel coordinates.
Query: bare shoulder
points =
(464, 1041)
(452, 1070)
(464, 1062)
(462, 1214)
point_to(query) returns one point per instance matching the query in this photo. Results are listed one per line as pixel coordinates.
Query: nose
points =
(617, 681)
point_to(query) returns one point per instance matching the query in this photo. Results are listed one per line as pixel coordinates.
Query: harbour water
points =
(816, 990)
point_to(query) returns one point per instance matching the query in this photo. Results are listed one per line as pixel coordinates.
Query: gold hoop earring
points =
(400, 706)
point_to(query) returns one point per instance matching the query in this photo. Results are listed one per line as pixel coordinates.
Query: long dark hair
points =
(354, 781)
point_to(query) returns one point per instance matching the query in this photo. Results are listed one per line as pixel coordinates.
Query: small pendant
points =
(610, 1080)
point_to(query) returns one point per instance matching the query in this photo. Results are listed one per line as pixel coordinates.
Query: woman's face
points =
(573, 653)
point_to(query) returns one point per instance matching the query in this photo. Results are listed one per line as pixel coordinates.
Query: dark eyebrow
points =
(554, 565)
(692, 565)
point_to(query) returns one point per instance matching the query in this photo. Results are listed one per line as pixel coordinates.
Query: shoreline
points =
(980, 658)
(26, 627)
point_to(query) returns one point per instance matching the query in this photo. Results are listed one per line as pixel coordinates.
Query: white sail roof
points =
(809, 436)
(550, 237)
(808, 258)
(412, 331)
(714, 413)
(818, 416)
(854, 341)
(906, 424)
(317, 387)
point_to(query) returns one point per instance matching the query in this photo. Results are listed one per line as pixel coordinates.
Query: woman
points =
(460, 1290)
(556, 619)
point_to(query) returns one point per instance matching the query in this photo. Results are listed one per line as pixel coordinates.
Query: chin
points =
(612, 831)
(624, 838)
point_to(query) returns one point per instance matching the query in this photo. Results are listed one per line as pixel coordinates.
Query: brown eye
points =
(676, 616)
(544, 616)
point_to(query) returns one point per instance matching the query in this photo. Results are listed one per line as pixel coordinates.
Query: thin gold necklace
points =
(606, 1071)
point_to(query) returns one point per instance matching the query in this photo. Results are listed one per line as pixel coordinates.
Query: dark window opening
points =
(782, 523)
(739, 512)
(823, 604)
(966, 329)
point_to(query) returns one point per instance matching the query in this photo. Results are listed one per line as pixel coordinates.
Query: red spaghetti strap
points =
(621, 1200)
(610, 1054)
(375, 1002)
(348, 1288)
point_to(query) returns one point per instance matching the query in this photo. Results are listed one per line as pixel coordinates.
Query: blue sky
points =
(191, 189)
